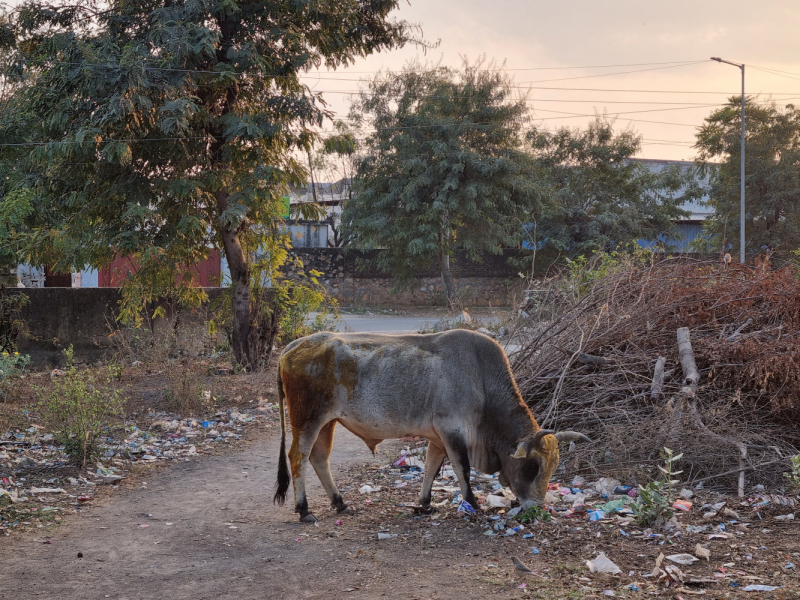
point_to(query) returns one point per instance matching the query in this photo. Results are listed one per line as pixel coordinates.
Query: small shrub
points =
(533, 514)
(78, 407)
(186, 395)
(793, 476)
(653, 507)
(12, 366)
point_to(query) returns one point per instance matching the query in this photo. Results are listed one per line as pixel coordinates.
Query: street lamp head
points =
(716, 59)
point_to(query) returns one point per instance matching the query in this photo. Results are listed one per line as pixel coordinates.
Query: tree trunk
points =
(255, 321)
(444, 260)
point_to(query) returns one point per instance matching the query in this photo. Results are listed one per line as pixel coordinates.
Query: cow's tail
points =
(283, 466)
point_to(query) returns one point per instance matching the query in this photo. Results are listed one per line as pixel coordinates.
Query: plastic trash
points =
(701, 552)
(682, 559)
(760, 588)
(596, 515)
(465, 508)
(682, 505)
(386, 536)
(622, 489)
(789, 517)
(614, 505)
(498, 501)
(368, 489)
(602, 564)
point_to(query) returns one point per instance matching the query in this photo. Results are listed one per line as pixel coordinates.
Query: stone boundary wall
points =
(492, 282)
(82, 317)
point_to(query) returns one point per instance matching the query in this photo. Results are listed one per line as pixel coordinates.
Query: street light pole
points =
(741, 207)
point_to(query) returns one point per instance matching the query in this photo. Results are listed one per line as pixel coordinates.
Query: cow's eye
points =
(530, 469)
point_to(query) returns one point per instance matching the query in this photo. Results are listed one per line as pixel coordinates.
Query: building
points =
(691, 227)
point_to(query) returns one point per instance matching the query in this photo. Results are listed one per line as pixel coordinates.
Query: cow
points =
(453, 388)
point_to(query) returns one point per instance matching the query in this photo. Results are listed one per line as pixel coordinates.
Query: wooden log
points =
(691, 376)
(742, 459)
(658, 378)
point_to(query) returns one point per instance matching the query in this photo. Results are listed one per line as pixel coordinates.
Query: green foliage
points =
(600, 197)
(772, 175)
(584, 271)
(78, 407)
(532, 514)
(793, 475)
(160, 131)
(11, 326)
(653, 507)
(444, 168)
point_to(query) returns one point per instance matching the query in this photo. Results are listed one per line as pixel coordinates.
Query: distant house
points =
(322, 233)
(691, 227)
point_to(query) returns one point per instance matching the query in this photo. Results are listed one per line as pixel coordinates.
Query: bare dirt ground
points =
(208, 529)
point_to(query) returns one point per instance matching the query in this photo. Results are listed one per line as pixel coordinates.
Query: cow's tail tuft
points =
(283, 466)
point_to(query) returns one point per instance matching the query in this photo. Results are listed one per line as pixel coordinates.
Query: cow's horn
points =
(536, 442)
(571, 436)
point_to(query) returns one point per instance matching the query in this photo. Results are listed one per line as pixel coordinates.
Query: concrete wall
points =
(83, 317)
(492, 282)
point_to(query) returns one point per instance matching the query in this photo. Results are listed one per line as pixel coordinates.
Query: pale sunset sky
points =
(554, 47)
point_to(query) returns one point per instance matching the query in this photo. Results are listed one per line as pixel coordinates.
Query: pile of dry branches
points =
(601, 355)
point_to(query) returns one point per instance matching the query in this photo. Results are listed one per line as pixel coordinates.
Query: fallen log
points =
(691, 376)
(586, 359)
(658, 378)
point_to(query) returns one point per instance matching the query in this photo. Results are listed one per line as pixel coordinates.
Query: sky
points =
(664, 83)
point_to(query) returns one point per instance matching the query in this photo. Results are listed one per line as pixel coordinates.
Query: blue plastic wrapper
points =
(466, 508)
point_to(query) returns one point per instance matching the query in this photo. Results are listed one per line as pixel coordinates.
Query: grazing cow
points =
(454, 388)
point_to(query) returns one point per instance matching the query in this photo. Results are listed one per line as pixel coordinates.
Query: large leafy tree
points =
(162, 129)
(772, 175)
(600, 197)
(443, 169)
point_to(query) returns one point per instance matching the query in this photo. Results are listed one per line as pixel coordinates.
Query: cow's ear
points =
(522, 451)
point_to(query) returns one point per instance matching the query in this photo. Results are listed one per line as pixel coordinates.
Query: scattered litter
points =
(368, 489)
(682, 559)
(386, 536)
(701, 552)
(760, 588)
(789, 517)
(602, 564)
(682, 505)
(498, 501)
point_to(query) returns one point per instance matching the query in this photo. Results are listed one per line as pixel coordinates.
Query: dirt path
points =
(207, 529)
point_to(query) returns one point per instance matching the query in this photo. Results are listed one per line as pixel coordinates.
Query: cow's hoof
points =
(424, 510)
(347, 510)
(309, 518)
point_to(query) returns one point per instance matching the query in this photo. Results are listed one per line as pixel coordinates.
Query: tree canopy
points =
(160, 130)
(600, 197)
(772, 175)
(443, 169)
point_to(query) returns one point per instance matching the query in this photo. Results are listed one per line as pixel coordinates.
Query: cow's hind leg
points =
(433, 462)
(456, 447)
(302, 442)
(320, 460)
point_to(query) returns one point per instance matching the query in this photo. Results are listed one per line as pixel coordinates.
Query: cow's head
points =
(529, 469)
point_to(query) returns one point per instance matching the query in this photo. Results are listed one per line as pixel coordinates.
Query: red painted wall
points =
(207, 272)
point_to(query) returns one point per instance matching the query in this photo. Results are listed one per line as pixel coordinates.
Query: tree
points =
(772, 175)
(161, 130)
(600, 197)
(444, 168)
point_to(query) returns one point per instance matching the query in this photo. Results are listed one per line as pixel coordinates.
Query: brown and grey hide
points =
(454, 388)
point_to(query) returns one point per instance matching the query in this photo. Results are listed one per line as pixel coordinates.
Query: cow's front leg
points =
(433, 462)
(302, 442)
(456, 447)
